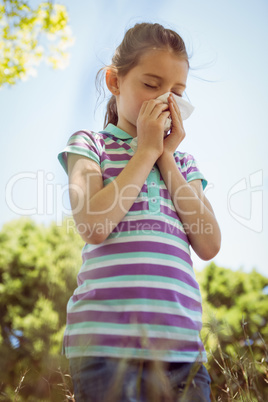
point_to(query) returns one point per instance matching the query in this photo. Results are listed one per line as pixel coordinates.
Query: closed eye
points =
(150, 86)
(175, 93)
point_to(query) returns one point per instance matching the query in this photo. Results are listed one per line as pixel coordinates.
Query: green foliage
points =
(235, 316)
(38, 269)
(29, 35)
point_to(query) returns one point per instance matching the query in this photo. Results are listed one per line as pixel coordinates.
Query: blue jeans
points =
(101, 379)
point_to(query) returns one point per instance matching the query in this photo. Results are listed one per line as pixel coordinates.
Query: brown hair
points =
(137, 40)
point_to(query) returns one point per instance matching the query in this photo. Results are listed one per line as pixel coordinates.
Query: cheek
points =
(135, 100)
(136, 105)
(141, 98)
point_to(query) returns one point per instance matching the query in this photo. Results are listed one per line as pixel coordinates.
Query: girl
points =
(137, 303)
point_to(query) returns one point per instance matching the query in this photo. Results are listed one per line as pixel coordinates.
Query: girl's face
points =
(159, 71)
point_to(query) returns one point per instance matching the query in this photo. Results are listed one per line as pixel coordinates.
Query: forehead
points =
(162, 63)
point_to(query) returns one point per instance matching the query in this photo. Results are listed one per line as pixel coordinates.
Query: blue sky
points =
(227, 133)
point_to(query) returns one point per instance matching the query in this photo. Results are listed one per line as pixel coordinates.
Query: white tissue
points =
(185, 107)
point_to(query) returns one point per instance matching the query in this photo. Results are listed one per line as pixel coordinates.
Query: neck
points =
(127, 127)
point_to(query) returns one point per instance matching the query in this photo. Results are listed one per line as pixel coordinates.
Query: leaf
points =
(25, 35)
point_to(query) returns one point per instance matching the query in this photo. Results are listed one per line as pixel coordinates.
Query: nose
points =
(164, 97)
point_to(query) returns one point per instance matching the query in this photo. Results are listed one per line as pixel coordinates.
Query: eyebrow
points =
(160, 78)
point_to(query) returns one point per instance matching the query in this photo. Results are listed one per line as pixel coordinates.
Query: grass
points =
(238, 375)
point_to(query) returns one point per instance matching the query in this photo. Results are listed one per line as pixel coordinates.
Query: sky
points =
(227, 133)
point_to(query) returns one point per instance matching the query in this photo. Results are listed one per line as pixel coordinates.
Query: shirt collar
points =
(117, 132)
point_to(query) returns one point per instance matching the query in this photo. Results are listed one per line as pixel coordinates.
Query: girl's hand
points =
(177, 134)
(150, 126)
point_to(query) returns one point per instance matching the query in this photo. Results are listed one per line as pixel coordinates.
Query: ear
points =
(112, 81)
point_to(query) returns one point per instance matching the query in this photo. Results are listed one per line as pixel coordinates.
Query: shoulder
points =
(87, 139)
(184, 158)
(85, 143)
(189, 167)
(88, 135)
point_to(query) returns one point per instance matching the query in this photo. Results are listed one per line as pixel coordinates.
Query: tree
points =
(30, 35)
(38, 269)
(235, 316)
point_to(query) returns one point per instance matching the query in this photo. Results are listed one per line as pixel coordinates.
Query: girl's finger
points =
(175, 110)
(174, 103)
(164, 115)
(159, 109)
(148, 106)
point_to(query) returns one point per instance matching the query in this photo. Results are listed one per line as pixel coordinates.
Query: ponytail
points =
(111, 115)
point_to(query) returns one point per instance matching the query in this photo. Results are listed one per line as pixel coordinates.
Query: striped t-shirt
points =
(137, 295)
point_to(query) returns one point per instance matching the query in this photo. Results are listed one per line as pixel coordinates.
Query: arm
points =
(97, 210)
(193, 208)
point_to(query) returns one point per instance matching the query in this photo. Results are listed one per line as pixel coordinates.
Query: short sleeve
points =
(189, 168)
(82, 143)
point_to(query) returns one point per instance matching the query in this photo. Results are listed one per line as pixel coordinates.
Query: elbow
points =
(93, 238)
(207, 255)
(91, 232)
(211, 245)
(210, 250)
